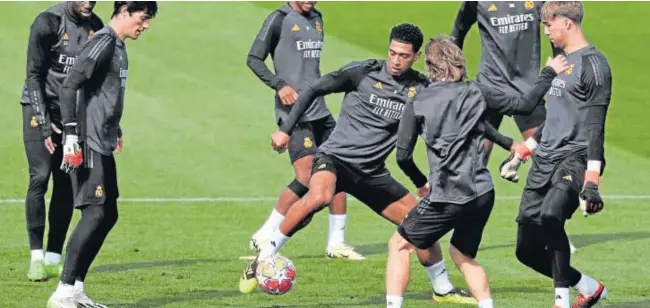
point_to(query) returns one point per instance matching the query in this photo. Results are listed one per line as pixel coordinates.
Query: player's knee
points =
(321, 199)
(397, 242)
(556, 202)
(38, 181)
(298, 188)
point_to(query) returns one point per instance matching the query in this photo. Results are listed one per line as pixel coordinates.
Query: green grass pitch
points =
(197, 124)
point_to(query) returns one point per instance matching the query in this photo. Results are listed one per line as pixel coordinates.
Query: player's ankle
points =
(394, 301)
(486, 303)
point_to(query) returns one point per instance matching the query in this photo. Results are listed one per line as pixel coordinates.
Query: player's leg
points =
(322, 187)
(95, 193)
(336, 246)
(38, 160)
(421, 228)
(495, 120)
(390, 199)
(465, 243)
(301, 149)
(558, 206)
(60, 211)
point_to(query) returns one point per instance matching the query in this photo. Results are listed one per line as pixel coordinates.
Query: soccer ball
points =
(276, 275)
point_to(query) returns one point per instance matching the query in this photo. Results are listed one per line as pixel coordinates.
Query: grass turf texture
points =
(197, 124)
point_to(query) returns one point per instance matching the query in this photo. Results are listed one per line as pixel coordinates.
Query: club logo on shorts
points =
(412, 92)
(99, 192)
(529, 5)
(33, 122)
(308, 144)
(295, 28)
(319, 27)
(322, 166)
(570, 69)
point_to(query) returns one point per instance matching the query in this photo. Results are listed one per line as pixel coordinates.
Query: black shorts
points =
(524, 123)
(308, 136)
(96, 180)
(430, 221)
(543, 175)
(376, 192)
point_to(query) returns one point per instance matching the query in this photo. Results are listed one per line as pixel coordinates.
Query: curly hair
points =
(408, 34)
(444, 60)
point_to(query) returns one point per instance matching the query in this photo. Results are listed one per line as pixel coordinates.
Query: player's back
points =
(366, 129)
(448, 114)
(510, 39)
(104, 92)
(587, 80)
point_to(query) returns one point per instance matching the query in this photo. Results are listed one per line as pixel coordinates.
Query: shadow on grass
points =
(189, 296)
(584, 240)
(153, 264)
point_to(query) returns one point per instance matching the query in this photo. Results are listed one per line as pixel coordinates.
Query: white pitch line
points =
(271, 199)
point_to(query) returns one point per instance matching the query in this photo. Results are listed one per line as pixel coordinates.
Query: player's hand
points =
(49, 145)
(519, 153)
(591, 202)
(72, 156)
(120, 145)
(279, 141)
(423, 191)
(288, 95)
(559, 64)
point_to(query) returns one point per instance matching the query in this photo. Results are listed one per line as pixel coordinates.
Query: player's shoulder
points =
(47, 18)
(364, 65)
(594, 61)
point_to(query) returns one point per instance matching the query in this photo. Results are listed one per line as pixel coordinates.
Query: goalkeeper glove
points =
(510, 165)
(591, 202)
(72, 156)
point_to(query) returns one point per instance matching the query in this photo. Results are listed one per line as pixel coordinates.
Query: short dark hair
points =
(149, 7)
(408, 34)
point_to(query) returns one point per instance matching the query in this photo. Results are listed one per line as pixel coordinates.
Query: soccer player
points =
(293, 36)
(55, 37)
(569, 158)
(91, 125)
(510, 53)
(352, 160)
(449, 115)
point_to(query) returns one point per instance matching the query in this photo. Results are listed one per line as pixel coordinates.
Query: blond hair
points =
(568, 9)
(444, 60)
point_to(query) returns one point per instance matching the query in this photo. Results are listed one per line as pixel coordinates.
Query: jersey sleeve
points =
(345, 79)
(492, 134)
(509, 104)
(466, 17)
(264, 44)
(42, 35)
(407, 135)
(95, 54)
(597, 82)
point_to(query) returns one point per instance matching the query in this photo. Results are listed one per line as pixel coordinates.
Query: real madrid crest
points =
(33, 122)
(99, 192)
(319, 27)
(529, 5)
(412, 92)
(308, 144)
